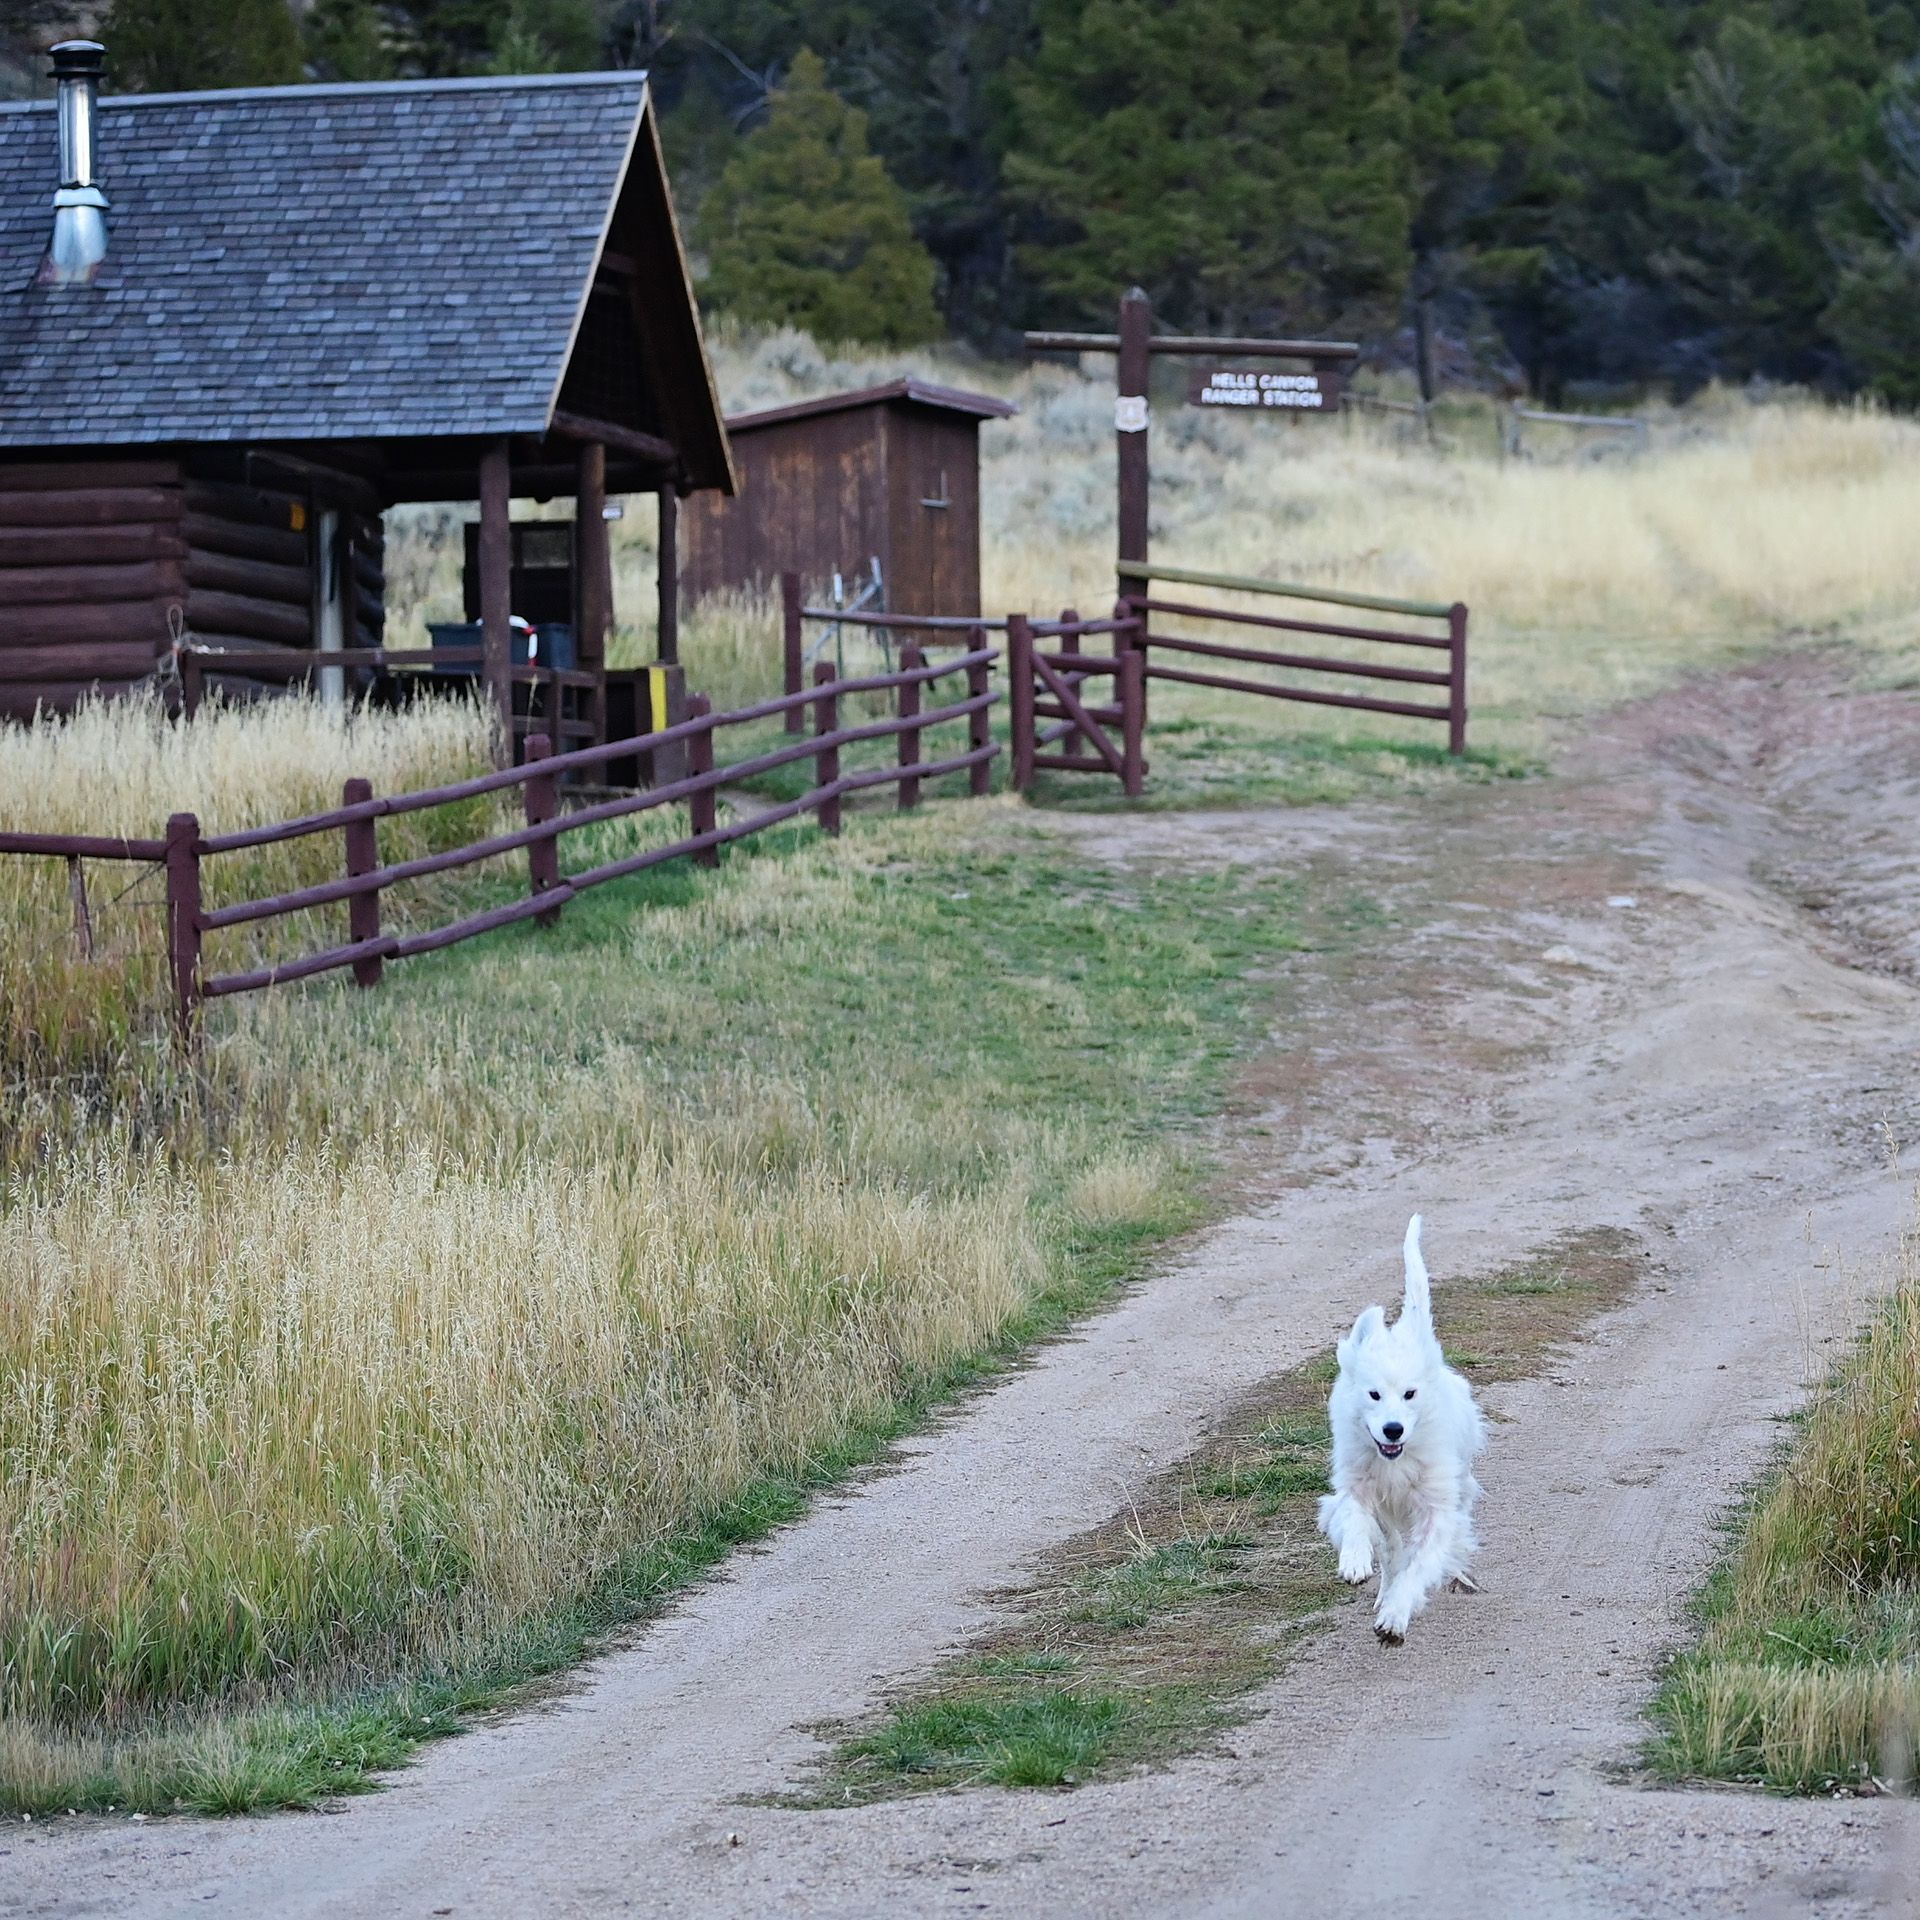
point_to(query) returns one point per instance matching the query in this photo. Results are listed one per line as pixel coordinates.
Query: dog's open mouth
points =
(1390, 1449)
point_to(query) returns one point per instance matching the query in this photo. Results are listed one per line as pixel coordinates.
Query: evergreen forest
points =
(1560, 196)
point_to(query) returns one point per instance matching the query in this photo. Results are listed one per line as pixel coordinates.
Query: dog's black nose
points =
(1393, 1430)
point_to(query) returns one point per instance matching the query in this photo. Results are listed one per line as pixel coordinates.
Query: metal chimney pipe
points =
(79, 208)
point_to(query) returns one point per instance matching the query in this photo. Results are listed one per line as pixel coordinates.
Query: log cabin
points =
(236, 327)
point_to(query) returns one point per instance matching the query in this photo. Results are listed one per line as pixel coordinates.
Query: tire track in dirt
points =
(1516, 1057)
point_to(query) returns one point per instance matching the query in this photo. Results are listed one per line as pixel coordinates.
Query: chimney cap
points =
(78, 59)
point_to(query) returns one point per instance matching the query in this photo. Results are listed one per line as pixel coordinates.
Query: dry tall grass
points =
(1809, 1673)
(328, 1414)
(121, 768)
(1595, 570)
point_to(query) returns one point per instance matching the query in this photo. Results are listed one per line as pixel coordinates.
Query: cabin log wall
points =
(92, 564)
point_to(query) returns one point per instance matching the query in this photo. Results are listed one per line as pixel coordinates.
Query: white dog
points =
(1405, 1433)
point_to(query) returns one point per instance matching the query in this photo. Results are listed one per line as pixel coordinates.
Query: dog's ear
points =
(1373, 1321)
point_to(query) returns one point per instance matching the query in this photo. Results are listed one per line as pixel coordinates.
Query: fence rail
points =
(1141, 606)
(185, 849)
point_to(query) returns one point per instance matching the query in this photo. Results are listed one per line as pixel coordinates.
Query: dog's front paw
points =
(1390, 1621)
(1356, 1566)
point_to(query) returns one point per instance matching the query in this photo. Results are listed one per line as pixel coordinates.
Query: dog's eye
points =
(1408, 1395)
(1373, 1393)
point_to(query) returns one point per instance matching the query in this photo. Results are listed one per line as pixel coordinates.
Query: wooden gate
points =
(1147, 611)
(1059, 723)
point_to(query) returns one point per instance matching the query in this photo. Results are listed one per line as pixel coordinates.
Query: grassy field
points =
(415, 1336)
(1807, 1674)
(405, 1341)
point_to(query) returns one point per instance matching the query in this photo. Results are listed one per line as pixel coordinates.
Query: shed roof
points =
(907, 392)
(399, 260)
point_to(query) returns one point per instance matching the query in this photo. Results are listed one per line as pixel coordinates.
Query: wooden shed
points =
(289, 309)
(889, 476)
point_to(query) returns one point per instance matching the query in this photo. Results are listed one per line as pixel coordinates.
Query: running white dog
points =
(1405, 1433)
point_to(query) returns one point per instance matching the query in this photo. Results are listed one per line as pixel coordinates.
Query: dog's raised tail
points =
(1418, 1304)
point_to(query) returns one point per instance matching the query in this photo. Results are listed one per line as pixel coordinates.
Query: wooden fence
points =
(185, 848)
(1142, 605)
(934, 628)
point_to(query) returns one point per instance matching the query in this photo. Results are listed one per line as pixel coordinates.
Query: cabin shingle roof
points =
(313, 263)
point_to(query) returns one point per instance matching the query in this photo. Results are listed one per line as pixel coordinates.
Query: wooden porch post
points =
(593, 589)
(496, 588)
(669, 576)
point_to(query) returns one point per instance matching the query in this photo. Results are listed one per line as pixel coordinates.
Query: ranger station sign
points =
(1316, 392)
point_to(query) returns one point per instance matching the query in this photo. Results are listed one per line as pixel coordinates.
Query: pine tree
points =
(1482, 130)
(348, 40)
(1775, 127)
(1875, 314)
(165, 46)
(804, 227)
(1244, 160)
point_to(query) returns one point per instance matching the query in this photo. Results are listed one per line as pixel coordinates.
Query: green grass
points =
(1805, 1676)
(1016, 1737)
(947, 1006)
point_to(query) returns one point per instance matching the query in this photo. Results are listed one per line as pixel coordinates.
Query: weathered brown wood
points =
(496, 586)
(542, 797)
(669, 571)
(250, 506)
(258, 579)
(701, 808)
(35, 631)
(91, 507)
(28, 587)
(363, 856)
(82, 918)
(42, 476)
(643, 446)
(82, 846)
(214, 533)
(209, 609)
(22, 700)
(183, 919)
(1457, 692)
(911, 660)
(1136, 330)
(593, 584)
(84, 546)
(793, 653)
(826, 764)
(1020, 698)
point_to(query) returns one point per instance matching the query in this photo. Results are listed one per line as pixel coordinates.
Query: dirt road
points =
(1672, 991)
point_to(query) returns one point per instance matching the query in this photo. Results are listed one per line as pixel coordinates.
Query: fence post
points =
(980, 720)
(193, 683)
(1133, 717)
(1457, 678)
(1134, 642)
(826, 762)
(1020, 698)
(792, 645)
(703, 806)
(363, 856)
(183, 919)
(911, 660)
(542, 793)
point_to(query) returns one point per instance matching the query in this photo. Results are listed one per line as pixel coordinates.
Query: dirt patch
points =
(1140, 1639)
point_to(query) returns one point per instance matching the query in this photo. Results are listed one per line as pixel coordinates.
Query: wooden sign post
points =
(1219, 385)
